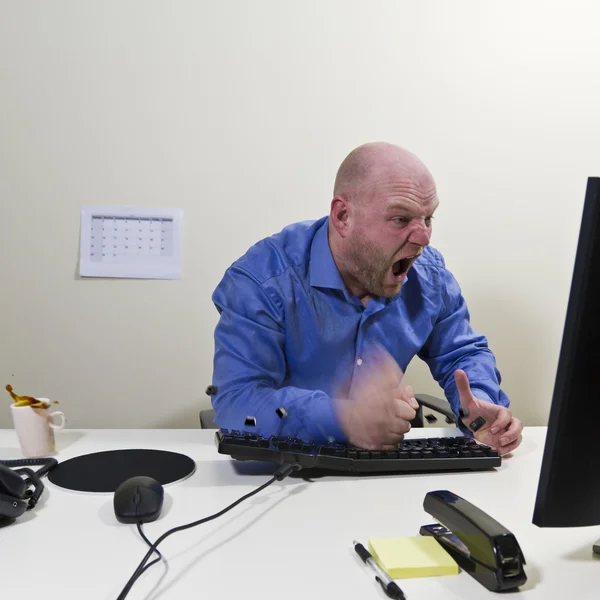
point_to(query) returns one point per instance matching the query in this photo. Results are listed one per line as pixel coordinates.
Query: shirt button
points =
(359, 362)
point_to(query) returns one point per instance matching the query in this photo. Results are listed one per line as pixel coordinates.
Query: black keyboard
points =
(426, 454)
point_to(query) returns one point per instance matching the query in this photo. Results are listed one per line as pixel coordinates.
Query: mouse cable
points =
(279, 475)
(160, 556)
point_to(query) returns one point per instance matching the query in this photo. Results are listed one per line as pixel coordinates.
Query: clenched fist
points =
(380, 407)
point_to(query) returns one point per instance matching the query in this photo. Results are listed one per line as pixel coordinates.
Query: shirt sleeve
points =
(250, 365)
(453, 344)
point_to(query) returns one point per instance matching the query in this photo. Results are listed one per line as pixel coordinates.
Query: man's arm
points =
(453, 344)
(250, 366)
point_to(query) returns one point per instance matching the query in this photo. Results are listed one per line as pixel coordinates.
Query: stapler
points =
(480, 545)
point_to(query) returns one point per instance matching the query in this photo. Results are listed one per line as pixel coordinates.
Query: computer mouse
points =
(138, 500)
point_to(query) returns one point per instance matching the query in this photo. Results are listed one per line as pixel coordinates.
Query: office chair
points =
(207, 419)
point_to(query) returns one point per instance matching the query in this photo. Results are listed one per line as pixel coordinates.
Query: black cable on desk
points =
(279, 475)
(31, 477)
(160, 556)
(47, 464)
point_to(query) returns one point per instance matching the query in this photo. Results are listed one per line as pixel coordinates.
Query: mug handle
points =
(57, 414)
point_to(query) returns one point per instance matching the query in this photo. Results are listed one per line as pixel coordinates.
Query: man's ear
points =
(340, 215)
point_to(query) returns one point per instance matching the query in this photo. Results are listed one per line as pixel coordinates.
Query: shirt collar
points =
(323, 270)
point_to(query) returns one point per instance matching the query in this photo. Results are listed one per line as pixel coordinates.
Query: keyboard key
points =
(238, 441)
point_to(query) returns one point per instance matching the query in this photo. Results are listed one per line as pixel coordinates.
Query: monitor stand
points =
(596, 547)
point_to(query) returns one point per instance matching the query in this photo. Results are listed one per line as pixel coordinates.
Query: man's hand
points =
(380, 407)
(501, 430)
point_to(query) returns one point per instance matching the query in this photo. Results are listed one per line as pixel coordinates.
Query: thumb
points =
(464, 389)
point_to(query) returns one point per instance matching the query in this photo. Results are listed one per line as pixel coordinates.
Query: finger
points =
(408, 395)
(396, 431)
(390, 428)
(397, 428)
(502, 421)
(403, 410)
(391, 446)
(392, 438)
(503, 450)
(392, 442)
(401, 424)
(463, 387)
(512, 433)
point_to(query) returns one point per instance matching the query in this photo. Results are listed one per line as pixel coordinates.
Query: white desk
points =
(292, 541)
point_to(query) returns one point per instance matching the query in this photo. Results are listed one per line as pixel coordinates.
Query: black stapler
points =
(480, 545)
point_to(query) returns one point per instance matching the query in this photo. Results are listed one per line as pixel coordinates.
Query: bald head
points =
(376, 162)
(380, 217)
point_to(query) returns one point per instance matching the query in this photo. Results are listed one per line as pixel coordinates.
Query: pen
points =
(389, 587)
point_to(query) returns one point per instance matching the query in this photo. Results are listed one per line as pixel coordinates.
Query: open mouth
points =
(401, 267)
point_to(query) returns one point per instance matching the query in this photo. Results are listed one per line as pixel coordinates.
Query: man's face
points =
(390, 227)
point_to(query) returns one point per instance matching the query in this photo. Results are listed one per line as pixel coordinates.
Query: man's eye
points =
(428, 221)
(400, 220)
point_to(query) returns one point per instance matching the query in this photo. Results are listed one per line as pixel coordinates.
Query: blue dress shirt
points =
(291, 336)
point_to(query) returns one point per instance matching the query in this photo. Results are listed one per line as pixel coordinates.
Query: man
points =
(319, 322)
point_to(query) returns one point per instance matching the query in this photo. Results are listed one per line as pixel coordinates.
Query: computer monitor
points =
(568, 492)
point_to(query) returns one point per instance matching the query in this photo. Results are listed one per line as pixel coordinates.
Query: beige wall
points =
(239, 113)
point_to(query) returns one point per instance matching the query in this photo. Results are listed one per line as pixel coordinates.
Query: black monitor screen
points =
(569, 485)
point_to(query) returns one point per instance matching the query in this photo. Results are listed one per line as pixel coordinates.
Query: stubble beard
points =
(370, 268)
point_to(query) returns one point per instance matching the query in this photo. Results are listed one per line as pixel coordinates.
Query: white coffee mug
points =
(35, 429)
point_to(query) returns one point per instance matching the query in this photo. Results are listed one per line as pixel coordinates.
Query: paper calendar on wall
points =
(130, 242)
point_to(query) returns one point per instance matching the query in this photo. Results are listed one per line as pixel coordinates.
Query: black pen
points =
(389, 587)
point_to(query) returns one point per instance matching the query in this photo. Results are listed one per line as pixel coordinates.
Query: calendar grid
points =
(114, 237)
(131, 242)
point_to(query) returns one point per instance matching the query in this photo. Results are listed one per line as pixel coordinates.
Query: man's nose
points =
(420, 235)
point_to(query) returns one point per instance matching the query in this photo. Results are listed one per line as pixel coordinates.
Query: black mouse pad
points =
(105, 471)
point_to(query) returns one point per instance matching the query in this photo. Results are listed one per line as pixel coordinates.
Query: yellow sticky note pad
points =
(419, 556)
